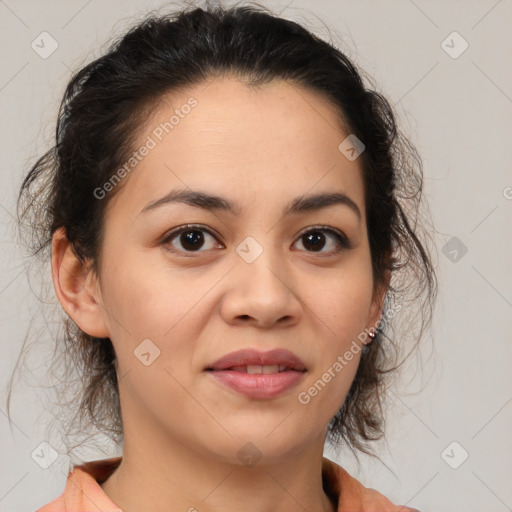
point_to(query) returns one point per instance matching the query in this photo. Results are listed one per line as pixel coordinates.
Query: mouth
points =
(253, 361)
(260, 375)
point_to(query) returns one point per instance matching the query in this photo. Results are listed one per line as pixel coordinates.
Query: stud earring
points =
(371, 334)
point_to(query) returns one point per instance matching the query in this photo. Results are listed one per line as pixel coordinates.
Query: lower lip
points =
(258, 385)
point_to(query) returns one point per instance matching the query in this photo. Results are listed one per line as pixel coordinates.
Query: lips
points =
(258, 375)
(253, 362)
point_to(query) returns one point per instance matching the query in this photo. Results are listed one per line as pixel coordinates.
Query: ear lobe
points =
(74, 286)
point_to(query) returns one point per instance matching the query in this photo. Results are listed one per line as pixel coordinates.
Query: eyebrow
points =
(209, 202)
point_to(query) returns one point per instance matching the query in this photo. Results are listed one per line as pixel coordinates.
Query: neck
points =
(152, 480)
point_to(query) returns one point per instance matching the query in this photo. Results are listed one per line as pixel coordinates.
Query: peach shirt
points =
(84, 494)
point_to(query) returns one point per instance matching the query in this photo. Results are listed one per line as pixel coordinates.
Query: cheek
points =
(152, 326)
(149, 299)
(349, 311)
(161, 305)
(343, 301)
(341, 306)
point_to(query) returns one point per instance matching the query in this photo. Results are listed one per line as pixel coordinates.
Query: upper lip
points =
(255, 357)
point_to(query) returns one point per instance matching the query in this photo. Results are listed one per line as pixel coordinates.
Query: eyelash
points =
(340, 237)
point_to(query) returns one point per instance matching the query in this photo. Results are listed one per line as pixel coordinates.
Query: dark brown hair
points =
(107, 101)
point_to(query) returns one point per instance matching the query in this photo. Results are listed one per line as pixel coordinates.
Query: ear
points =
(378, 303)
(76, 287)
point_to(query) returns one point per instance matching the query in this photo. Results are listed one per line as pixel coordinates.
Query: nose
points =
(262, 292)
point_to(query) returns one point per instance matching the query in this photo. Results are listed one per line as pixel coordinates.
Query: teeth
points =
(253, 369)
(262, 369)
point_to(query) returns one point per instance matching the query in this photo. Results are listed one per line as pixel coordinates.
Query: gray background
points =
(456, 110)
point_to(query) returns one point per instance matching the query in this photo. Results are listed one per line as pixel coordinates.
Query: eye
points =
(314, 239)
(191, 238)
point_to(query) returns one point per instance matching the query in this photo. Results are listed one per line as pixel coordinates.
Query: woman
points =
(226, 210)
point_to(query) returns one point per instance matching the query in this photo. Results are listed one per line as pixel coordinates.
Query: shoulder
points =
(352, 495)
(83, 492)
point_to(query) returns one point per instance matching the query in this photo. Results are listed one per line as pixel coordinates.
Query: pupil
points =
(315, 239)
(190, 238)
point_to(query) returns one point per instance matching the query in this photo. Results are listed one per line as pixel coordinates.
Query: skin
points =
(182, 429)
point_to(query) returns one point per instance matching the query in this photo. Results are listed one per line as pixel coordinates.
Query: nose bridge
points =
(262, 263)
(261, 289)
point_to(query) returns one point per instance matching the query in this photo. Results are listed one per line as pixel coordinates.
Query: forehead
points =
(271, 142)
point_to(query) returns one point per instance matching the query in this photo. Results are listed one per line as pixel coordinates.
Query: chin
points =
(251, 446)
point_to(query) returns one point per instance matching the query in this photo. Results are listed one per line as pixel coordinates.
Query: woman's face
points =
(259, 275)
